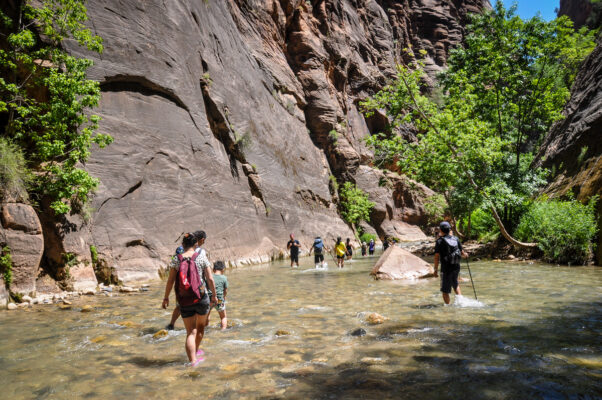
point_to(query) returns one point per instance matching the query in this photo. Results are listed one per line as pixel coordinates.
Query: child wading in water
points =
(221, 289)
(340, 250)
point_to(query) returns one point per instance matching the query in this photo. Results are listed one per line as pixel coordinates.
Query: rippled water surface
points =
(538, 334)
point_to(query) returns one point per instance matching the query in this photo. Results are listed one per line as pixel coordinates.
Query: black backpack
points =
(454, 255)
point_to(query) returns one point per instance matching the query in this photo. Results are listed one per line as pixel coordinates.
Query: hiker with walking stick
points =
(448, 252)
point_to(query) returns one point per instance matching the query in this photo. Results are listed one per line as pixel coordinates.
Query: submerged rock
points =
(358, 332)
(87, 308)
(282, 332)
(397, 263)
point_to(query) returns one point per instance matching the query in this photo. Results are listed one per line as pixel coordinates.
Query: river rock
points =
(376, 319)
(160, 334)
(4, 297)
(21, 231)
(11, 306)
(195, 92)
(26, 299)
(65, 301)
(127, 289)
(86, 308)
(397, 263)
(282, 332)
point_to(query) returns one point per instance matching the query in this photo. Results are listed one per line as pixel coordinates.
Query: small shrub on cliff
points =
(434, 207)
(6, 266)
(563, 229)
(355, 206)
(14, 175)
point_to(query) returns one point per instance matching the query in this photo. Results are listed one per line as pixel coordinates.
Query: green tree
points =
(355, 206)
(500, 94)
(44, 95)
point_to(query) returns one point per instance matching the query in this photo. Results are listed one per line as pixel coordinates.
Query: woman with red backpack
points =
(190, 275)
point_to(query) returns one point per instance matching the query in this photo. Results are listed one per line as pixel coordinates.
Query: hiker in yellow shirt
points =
(340, 250)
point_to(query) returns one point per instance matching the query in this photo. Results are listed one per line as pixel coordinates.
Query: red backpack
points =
(189, 285)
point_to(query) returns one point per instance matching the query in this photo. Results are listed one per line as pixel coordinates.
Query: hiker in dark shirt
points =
(448, 252)
(293, 246)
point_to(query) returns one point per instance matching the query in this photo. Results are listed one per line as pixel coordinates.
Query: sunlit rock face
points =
(223, 113)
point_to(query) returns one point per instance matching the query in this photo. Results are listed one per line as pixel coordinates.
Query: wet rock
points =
(128, 324)
(11, 306)
(26, 299)
(87, 308)
(372, 360)
(64, 306)
(65, 301)
(282, 332)
(89, 292)
(376, 319)
(397, 263)
(160, 334)
(358, 332)
(106, 288)
(4, 297)
(127, 289)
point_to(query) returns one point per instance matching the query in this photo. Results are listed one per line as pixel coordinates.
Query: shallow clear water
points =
(537, 334)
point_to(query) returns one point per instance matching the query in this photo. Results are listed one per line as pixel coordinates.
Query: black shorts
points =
(318, 258)
(449, 280)
(340, 257)
(371, 252)
(349, 253)
(295, 258)
(201, 308)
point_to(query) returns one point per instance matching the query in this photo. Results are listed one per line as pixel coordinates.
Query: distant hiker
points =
(349, 249)
(293, 246)
(340, 249)
(364, 249)
(386, 243)
(318, 249)
(221, 289)
(448, 252)
(190, 275)
(371, 247)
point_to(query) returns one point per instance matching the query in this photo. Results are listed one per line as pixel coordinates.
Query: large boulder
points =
(3, 294)
(21, 231)
(397, 263)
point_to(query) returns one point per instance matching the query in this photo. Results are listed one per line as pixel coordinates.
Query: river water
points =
(537, 334)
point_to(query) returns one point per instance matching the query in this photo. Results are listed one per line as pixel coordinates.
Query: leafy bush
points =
(14, 175)
(355, 206)
(435, 207)
(94, 254)
(482, 226)
(564, 229)
(365, 237)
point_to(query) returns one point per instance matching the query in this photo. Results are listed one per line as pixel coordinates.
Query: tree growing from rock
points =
(44, 95)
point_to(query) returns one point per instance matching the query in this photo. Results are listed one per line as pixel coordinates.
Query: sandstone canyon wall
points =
(223, 113)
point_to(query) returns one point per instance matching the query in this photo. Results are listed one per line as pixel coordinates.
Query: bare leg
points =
(224, 318)
(201, 322)
(175, 315)
(191, 332)
(446, 298)
(458, 291)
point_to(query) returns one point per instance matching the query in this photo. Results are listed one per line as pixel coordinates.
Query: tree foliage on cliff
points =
(44, 95)
(355, 206)
(500, 94)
